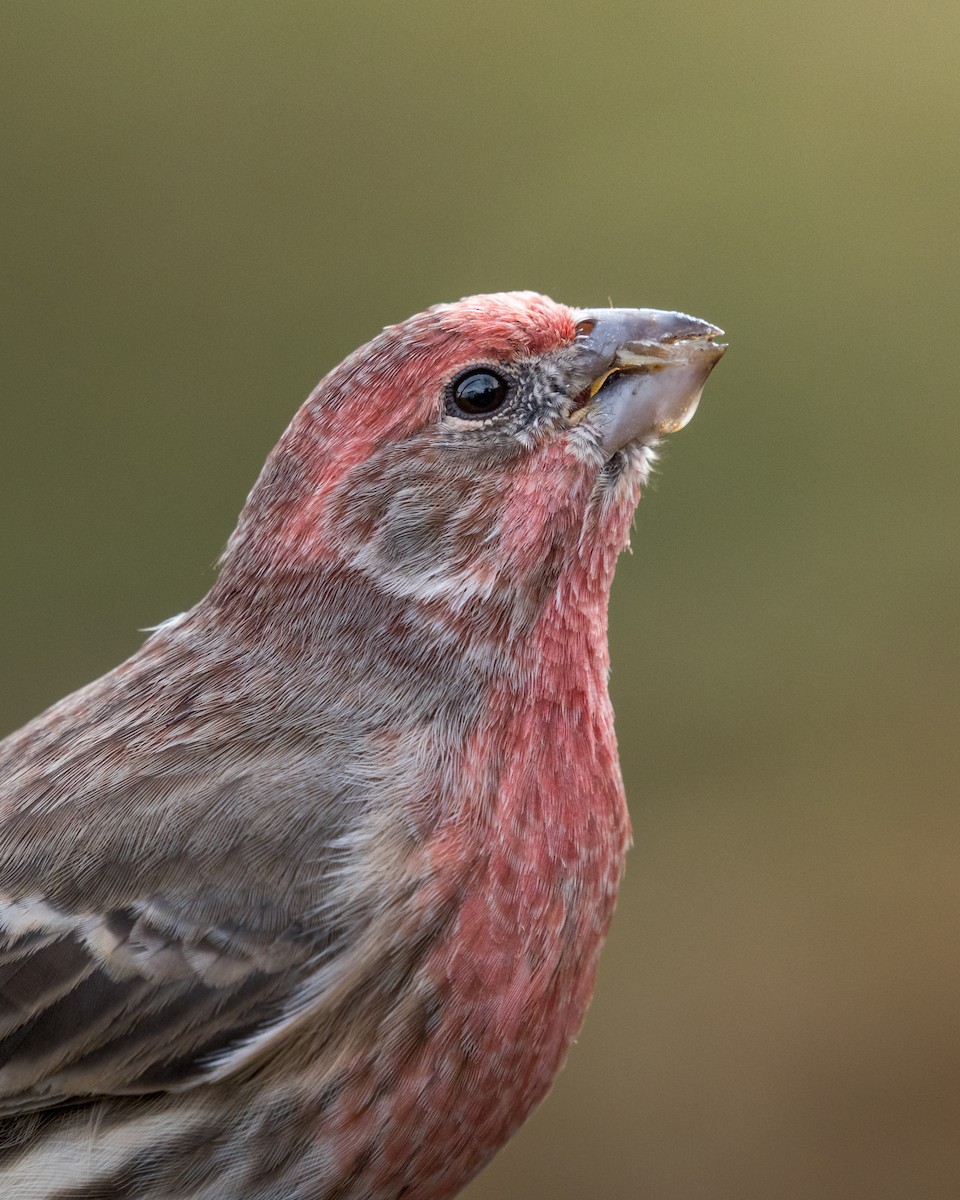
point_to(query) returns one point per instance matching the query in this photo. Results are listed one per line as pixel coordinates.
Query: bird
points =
(304, 900)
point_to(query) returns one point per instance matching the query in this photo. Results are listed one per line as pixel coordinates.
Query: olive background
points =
(204, 206)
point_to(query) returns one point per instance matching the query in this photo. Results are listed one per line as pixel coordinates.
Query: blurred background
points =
(205, 206)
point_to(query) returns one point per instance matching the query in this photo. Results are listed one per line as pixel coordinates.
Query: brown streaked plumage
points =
(305, 899)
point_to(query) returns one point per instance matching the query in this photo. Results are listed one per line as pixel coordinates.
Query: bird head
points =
(479, 449)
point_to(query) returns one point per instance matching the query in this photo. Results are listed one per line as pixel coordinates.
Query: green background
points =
(206, 205)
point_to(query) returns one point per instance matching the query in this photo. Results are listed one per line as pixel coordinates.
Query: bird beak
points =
(649, 369)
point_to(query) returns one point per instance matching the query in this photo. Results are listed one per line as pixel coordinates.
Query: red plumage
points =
(305, 899)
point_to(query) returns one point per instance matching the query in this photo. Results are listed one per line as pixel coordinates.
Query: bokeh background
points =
(205, 205)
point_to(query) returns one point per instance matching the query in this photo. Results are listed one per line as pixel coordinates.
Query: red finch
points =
(304, 900)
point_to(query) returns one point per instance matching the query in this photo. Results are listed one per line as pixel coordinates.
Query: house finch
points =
(304, 900)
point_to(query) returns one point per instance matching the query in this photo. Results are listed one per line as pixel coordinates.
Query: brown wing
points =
(123, 1001)
(169, 874)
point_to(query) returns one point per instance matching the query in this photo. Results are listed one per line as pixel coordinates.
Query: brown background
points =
(205, 205)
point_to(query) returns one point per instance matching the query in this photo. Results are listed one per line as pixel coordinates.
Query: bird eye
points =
(478, 393)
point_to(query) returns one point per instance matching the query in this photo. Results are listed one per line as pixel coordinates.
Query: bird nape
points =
(305, 899)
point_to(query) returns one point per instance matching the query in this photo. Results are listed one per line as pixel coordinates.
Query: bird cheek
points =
(544, 504)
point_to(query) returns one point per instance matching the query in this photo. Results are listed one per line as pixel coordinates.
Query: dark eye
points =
(478, 393)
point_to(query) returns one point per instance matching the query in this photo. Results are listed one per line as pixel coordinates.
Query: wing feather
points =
(167, 883)
(74, 1023)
